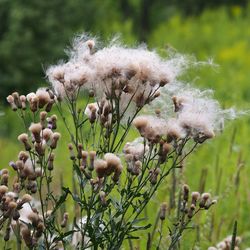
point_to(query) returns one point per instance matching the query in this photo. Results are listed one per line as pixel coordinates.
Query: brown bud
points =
(103, 198)
(185, 192)
(204, 199)
(163, 211)
(65, 220)
(26, 234)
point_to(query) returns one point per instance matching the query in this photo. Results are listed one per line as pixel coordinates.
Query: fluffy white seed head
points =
(35, 128)
(113, 162)
(137, 149)
(23, 138)
(132, 71)
(10, 99)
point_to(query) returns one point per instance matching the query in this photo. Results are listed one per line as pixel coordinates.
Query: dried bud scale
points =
(100, 168)
(185, 193)
(49, 105)
(17, 100)
(163, 211)
(195, 197)
(10, 100)
(51, 161)
(191, 211)
(153, 175)
(136, 168)
(84, 158)
(65, 220)
(92, 155)
(103, 198)
(26, 234)
(204, 198)
(71, 152)
(43, 97)
(23, 156)
(23, 102)
(23, 138)
(46, 134)
(113, 163)
(36, 129)
(54, 140)
(43, 116)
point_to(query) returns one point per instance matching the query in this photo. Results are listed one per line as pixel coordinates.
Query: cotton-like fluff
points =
(193, 112)
(150, 127)
(67, 79)
(136, 148)
(174, 130)
(226, 244)
(130, 73)
(91, 111)
(199, 114)
(25, 211)
(77, 235)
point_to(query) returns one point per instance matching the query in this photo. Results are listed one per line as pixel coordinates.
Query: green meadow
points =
(220, 166)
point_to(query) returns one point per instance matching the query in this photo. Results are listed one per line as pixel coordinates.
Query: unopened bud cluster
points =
(194, 202)
(12, 206)
(42, 99)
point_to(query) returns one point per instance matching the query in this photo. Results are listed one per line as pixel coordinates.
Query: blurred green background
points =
(34, 34)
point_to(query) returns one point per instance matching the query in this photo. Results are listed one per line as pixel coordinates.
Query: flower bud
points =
(154, 175)
(204, 199)
(43, 116)
(26, 234)
(195, 197)
(191, 211)
(103, 198)
(163, 211)
(185, 192)
(23, 138)
(55, 137)
(23, 101)
(51, 162)
(100, 168)
(136, 168)
(10, 100)
(92, 155)
(71, 152)
(65, 220)
(79, 151)
(36, 129)
(84, 158)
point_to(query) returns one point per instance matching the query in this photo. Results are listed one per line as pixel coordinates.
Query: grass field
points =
(221, 166)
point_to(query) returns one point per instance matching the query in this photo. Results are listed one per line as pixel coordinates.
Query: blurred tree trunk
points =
(145, 19)
(125, 9)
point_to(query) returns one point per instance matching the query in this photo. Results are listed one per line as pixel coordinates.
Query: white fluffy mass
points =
(191, 111)
(137, 71)
(137, 77)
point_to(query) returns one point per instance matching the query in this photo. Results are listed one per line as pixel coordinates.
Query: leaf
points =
(94, 217)
(137, 221)
(77, 170)
(233, 243)
(117, 205)
(62, 199)
(62, 236)
(131, 237)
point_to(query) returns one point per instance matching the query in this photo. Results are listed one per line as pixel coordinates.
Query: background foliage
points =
(34, 34)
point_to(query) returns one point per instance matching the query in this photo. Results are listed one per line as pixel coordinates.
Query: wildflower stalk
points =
(113, 180)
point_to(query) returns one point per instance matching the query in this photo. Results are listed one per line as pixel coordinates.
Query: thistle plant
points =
(102, 94)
